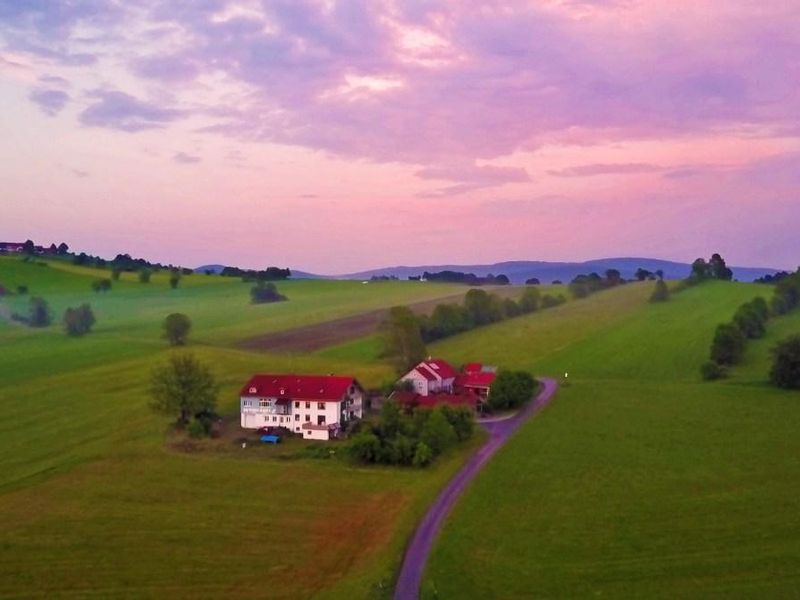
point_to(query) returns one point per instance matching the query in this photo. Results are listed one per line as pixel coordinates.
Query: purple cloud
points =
(118, 110)
(606, 169)
(51, 102)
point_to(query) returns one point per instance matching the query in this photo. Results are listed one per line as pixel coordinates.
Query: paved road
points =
(408, 583)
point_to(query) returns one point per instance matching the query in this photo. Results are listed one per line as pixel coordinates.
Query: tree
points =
(509, 308)
(22, 290)
(461, 419)
(115, 273)
(613, 276)
(264, 293)
(364, 447)
(642, 274)
(479, 307)
(728, 345)
(718, 269)
(447, 320)
(532, 281)
(144, 275)
(423, 455)
(511, 389)
(176, 328)
(78, 321)
(529, 302)
(28, 247)
(660, 273)
(660, 292)
(402, 339)
(39, 313)
(101, 285)
(700, 269)
(437, 433)
(750, 321)
(62, 249)
(174, 279)
(785, 372)
(183, 387)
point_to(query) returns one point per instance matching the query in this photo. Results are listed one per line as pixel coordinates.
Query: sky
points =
(336, 136)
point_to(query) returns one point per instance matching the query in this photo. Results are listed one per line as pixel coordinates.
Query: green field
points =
(640, 480)
(93, 502)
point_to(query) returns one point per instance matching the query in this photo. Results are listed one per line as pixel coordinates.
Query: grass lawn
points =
(93, 502)
(640, 480)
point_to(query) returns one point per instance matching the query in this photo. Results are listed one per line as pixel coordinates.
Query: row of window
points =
(264, 403)
(320, 419)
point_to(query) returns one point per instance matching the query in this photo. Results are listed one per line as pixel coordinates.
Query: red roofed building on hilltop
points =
(431, 376)
(316, 406)
(434, 381)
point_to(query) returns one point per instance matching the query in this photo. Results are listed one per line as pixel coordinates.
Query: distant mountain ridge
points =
(518, 271)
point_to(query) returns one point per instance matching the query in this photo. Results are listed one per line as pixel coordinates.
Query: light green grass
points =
(93, 503)
(640, 480)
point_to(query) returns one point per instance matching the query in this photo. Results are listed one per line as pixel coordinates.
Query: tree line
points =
(749, 322)
(465, 278)
(405, 334)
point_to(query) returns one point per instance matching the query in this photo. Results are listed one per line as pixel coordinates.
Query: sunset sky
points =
(336, 136)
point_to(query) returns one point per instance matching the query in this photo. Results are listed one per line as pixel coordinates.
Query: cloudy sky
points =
(335, 136)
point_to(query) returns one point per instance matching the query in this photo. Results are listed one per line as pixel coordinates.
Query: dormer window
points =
(253, 390)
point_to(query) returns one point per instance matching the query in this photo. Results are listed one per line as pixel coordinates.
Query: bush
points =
(749, 321)
(511, 389)
(728, 345)
(197, 429)
(785, 372)
(174, 280)
(39, 315)
(144, 275)
(22, 290)
(549, 301)
(660, 292)
(529, 302)
(101, 285)
(78, 321)
(423, 455)
(364, 447)
(176, 328)
(264, 292)
(437, 433)
(712, 371)
(115, 273)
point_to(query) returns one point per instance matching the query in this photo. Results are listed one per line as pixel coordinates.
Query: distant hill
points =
(546, 272)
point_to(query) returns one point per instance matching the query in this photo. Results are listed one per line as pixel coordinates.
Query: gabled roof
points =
(426, 372)
(480, 379)
(440, 368)
(319, 388)
(474, 367)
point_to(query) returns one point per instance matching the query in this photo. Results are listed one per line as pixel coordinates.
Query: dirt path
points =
(321, 335)
(408, 583)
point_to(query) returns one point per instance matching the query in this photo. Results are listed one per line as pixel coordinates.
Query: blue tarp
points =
(270, 439)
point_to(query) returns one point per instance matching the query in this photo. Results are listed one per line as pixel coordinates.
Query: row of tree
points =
(413, 438)
(749, 322)
(586, 285)
(77, 321)
(466, 278)
(405, 333)
(247, 275)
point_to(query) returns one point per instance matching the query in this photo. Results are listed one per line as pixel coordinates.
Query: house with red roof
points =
(476, 378)
(315, 406)
(431, 376)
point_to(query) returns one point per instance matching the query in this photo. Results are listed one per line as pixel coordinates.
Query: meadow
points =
(639, 480)
(93, 502)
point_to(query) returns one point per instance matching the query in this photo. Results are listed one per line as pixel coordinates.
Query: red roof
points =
(473, 368)
(319, 388)
(479, 379)
(442, 368)
(425, 371)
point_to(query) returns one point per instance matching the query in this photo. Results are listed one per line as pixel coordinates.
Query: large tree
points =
(728, 345)
(183, 387)
(785, 371)
(79, 321)
(511, 389)
(479, 307)
(402, 339)
(39, 314)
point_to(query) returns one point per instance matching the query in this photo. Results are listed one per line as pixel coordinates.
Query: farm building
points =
(11, 247)
(316, 406)
(432, 376)
(476, 378)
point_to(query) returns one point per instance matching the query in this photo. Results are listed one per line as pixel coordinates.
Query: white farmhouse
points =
(316, 406)
(432, 376)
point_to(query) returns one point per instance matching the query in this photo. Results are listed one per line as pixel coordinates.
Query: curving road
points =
(408, 583)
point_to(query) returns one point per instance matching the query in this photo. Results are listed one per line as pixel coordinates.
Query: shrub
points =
(437, 433)
(197, 429)
(785, 372)
(423, 455)
(115, 273)
(264, 292)
(176, 328)
(144, 275)
(78, 321)
(39, 315)
(511, 389)
(712, 371)
(364, 447)
(749, 321)
(529, 302)
(728, 345)
(660, 292)
(174, 280)
(101, 285)
(22, 290)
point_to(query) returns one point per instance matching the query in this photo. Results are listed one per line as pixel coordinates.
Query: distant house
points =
(436, 382)
(318, 407)
(432, 376)
(11, 247)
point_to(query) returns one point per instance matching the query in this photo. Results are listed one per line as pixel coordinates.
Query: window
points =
(266, 418)
(308, 404)
(321, 405)
(274, 419)
(245, 403)
(321, 420)
(297, 417)
(297, 405)
(308, 418)
(263, 402)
